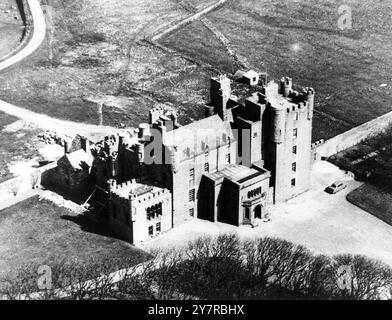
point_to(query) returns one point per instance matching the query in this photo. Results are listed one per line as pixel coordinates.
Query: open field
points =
(374, 200)
(302, 39)
(20, 143)
(370, 160)
(11, 26)
(93, 53)
(38, 232)
(324, 223)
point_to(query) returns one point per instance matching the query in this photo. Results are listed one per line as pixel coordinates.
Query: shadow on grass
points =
(90, 225)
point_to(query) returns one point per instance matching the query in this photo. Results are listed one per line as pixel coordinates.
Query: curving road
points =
(38, 36)
(40, 120)
(53, 124)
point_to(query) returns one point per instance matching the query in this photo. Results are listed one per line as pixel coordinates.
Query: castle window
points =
(224, 137)
(254, 134)
(294, 167)
(127, 220)
(295, 133)
(187, 153)
(206, 167)
(114, 210)
(247, 213)
(191, 195)
(191, 177)
(296, 116)
(192, 212)
(293, 182)
(228, 158)
(158, 227)
(295, 150)
(150, 231)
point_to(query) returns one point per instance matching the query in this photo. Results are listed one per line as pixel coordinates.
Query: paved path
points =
(65, 127)
(9, 202)
(40, 120)
(189, 19)
(38, 36)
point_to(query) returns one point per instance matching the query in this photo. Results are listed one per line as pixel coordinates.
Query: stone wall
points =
(189, 20)
(325, 149)
(23, 183)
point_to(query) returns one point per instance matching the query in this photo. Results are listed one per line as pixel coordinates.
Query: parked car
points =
(336, 187)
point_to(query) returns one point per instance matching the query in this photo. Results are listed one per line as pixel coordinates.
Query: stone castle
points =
(228, 167)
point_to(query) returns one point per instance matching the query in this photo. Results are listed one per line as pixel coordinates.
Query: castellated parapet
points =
(155, 175)
(139, 211)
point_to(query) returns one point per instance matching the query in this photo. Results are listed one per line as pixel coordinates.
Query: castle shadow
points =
(87, 224)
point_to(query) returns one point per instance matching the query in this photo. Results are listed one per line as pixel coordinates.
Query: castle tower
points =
(286, 84)
(288, 155)
(220, 94)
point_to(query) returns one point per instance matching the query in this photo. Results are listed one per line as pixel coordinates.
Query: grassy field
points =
(370, 159)
(19, 144)
(92, 53)
(302, 39)
(37, 232)
(374, 200)
(11, 26)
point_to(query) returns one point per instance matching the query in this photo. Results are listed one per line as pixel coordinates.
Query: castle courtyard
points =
(324, 223)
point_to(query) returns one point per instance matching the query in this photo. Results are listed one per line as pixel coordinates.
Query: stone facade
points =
(228, 167)
(273, 127)
(138, 211)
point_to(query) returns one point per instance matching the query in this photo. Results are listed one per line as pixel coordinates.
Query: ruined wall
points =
(351, 138)
(24, 183)
(189, 20)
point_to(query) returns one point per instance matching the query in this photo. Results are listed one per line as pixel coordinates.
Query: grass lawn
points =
(19, 144)
(11, 27)
(302, 39)
(92, 52)
(37, 232)
(374, 200)
(204, 46)
(372, 156)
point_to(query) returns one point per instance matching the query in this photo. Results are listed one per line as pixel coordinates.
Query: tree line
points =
(221, 267)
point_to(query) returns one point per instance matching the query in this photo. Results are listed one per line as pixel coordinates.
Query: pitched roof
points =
(237, 173)
(211, 131)
(250, 74)
(79, 158)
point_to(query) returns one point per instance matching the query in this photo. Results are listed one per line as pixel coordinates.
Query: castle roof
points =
(211, 131)
(124, 190)
(236, 173)
(250, 74)
(79, 158)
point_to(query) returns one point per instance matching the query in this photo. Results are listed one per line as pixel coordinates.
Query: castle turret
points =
(144, 131)
(139, 149)
(278, 123)
(208, 111)
(220, 95)
(309, 98)
(286, 84)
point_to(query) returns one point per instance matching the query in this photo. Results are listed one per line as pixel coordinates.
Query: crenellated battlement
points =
(135, 190)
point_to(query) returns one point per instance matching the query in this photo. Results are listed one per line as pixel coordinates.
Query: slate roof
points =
(210, 131)
(79, 158)
(236, 173)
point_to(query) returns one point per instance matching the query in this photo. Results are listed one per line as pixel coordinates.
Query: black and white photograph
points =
(185, 152)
